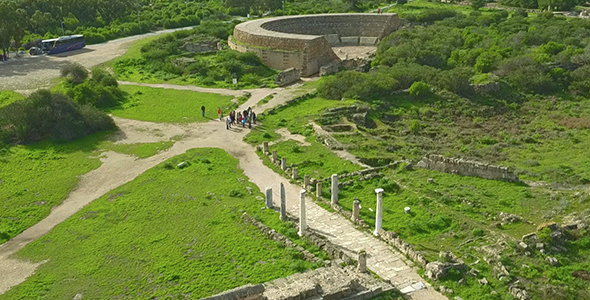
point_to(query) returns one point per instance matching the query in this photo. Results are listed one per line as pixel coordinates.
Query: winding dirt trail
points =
(118, 169)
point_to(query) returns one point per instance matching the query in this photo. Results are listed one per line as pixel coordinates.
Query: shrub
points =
(477, 232)
(415, 126)
(75, 73)
(420, 89)
(519, 12)
(47, 116)
(477, 4)
(235, 193)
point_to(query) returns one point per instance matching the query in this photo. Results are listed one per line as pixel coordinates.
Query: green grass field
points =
(134, 51)
(34, 178)
(169, 233)
(167, 105)
(7, 97)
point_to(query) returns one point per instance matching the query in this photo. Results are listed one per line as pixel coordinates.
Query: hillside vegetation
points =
(489, 87)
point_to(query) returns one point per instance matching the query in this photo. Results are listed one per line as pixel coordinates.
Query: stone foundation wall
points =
(393, 240)
(275, 236)
(466, 168)
(246, 292)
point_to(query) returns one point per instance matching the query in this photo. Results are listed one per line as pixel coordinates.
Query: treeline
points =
(543, 55)
(544, 4)
(300, 7)
(62, 116)
(99, 20)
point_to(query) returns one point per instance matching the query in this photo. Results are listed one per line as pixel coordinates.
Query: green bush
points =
(74, 73)
(477, 232)
(47, 116)
(420, 89)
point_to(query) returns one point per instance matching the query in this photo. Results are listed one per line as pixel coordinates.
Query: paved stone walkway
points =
(118, 169)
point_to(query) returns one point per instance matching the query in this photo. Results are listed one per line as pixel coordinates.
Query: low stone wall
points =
(275, 236)
(288, 76)
(393, 240)
(246, 292)
(467, 168)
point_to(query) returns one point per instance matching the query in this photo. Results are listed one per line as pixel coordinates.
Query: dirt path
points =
(29, 73)
(118, 169)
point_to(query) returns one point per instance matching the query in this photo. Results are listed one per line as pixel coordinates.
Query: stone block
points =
(350, 40)
(288, 76)
(364, 40)
(333, 39)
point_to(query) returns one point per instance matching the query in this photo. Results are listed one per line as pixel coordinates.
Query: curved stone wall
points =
(305, 42)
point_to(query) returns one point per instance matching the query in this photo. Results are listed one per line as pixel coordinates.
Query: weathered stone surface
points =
(507, 218)
(466, 168)
(552, 261)
(331, 283)
(436, 270)
(243, 292)
(201, 47)
(288, 76)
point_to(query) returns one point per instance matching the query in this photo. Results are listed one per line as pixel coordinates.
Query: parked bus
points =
(63, 44)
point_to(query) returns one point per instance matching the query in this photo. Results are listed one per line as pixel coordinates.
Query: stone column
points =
(302, 221)
(295, 173)
(334, 189)
(284, 163)
(356, 204)
(379, 216)
(265, 148)
(318, 189)
(269, 197)
(306, 180)
(362, 261)
(275, 157)
(283, 203)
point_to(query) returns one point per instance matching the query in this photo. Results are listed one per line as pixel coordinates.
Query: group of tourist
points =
(3, 57)
(247, 116)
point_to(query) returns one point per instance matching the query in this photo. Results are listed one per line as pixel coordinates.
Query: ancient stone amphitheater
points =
(305, 42)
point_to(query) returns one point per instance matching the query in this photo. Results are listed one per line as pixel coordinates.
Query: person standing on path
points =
(219, 113)
(228, 123)
(203, 110)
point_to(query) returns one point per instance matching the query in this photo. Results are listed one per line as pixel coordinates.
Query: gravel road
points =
(29, 73)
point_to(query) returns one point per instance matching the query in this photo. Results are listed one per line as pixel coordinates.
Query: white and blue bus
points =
(63, 44)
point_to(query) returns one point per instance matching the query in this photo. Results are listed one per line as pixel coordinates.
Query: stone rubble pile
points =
(333, 283)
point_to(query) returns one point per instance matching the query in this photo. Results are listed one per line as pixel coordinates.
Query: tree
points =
(477, 4)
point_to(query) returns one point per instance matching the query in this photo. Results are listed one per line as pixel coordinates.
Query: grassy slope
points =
(166, 105)
(134, 51)
(455, 208)
(7, 97)
(161, 235)
(36, 177)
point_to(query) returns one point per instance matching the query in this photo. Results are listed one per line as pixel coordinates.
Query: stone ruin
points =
(332, 283)
(201, 47)
(288, 76)
(464, 167)
(305, 42)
